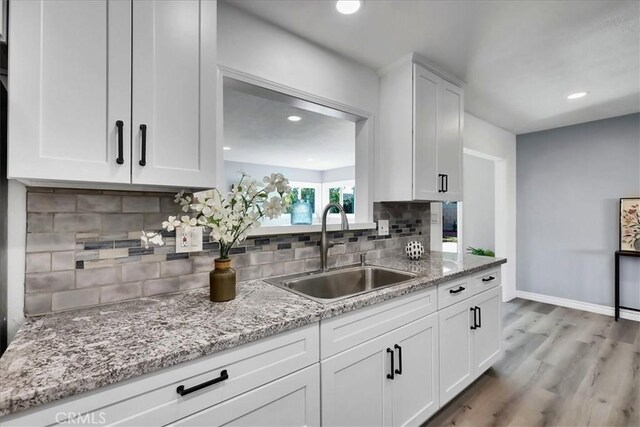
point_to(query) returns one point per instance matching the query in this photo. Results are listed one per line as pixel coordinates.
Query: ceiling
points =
(256, 130)
(520, 59)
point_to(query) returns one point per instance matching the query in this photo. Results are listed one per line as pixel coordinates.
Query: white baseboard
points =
(578, 305)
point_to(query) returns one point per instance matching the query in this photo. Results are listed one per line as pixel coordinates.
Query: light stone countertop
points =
(64, 354)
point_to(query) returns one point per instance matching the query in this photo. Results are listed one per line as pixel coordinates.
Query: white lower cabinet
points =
(290, 401)
(470, 341)
(394, 364)
(390, 380)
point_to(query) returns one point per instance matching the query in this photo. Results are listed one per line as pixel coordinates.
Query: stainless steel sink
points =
(341, 283)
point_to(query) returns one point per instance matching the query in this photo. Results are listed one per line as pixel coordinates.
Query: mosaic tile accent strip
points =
(84, 249)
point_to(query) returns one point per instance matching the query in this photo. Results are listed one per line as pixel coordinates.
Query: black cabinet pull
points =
(399, 370)
(440, 183)
(391, 375)
(182, 391)
(120, 125)
(479, 311)
(455, 291)
(488, 279)
(474, 317)
(446, 180)
(143, 136)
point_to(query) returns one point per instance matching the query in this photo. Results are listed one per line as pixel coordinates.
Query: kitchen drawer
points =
(486, 280)
(348, 330)
(152, 399)
(293, 400)
(452, 292)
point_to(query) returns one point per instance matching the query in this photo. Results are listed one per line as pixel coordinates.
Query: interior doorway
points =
(450, 232)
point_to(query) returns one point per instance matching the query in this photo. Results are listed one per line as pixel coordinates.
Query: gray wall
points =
(569, 181)
(479, 203)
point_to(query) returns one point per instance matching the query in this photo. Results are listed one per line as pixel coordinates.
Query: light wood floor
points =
(561, 367)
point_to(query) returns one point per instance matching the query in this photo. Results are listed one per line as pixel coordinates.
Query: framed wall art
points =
(630, 224)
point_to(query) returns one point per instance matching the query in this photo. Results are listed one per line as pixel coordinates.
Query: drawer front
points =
(278, 357)
(455, 291)
(152, 399)
(290, 401)
(487, 279)
(348, 330)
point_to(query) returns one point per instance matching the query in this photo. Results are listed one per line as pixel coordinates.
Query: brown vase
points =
(222, 281)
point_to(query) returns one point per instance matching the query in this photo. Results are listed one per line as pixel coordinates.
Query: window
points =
(342, 192)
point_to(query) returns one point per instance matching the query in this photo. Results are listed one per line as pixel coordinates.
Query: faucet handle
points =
(363, 259)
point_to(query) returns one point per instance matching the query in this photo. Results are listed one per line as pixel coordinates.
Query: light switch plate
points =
(190, 241)
(383, 227)
(434, 218)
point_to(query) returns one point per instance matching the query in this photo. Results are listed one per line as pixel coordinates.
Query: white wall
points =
(16, 238)
(257, 172)
(339, 174)
(486, 140)
(253, 46)
(479, 202)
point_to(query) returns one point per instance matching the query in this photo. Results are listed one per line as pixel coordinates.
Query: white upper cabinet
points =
(419, 153)
(174, 92)
(70, 78)
(85, 76)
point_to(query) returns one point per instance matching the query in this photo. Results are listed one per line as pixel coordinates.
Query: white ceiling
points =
(257, 131)
(520, 59)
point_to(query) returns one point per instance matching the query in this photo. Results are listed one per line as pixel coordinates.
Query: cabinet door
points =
(425, 134)
(174, 92)
(293, 400)
(487, 338)
(355, 387)
(450, 129)
(70, 63)
(456, 363)
(415, 389)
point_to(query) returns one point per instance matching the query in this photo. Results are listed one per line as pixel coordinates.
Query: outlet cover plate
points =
(190, 241)
(383, 227)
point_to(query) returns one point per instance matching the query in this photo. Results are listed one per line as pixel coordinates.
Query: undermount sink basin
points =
(341, 283)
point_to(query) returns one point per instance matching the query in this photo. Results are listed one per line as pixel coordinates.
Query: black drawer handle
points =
(120, 125)
(455, 291)
(391, 375)
(399, 370)
(441, 183)
(473, 309)
(182, 391)
(488, 279)
(143, 157)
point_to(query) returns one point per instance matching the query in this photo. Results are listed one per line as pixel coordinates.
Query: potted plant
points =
(229, 218)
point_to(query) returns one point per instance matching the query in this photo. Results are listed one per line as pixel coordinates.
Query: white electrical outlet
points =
(190, 241)
(434, 218)
(383, 227)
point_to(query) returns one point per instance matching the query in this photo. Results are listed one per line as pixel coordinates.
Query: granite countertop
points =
(63, 354)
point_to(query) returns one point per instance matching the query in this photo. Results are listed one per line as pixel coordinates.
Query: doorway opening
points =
(450, 227)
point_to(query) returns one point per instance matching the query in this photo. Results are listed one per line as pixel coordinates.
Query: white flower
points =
(157, 239)
(171, 223)
(273, 207)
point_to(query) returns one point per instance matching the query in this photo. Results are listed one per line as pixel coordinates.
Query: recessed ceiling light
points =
(347, 7)
(226, 148)
(309, 159)
(577, 95)
(294, 118)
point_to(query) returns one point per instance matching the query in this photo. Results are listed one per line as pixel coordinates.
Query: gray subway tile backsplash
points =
(84, 248)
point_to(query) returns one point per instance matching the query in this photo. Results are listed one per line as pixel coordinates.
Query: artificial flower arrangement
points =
(232, 216)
